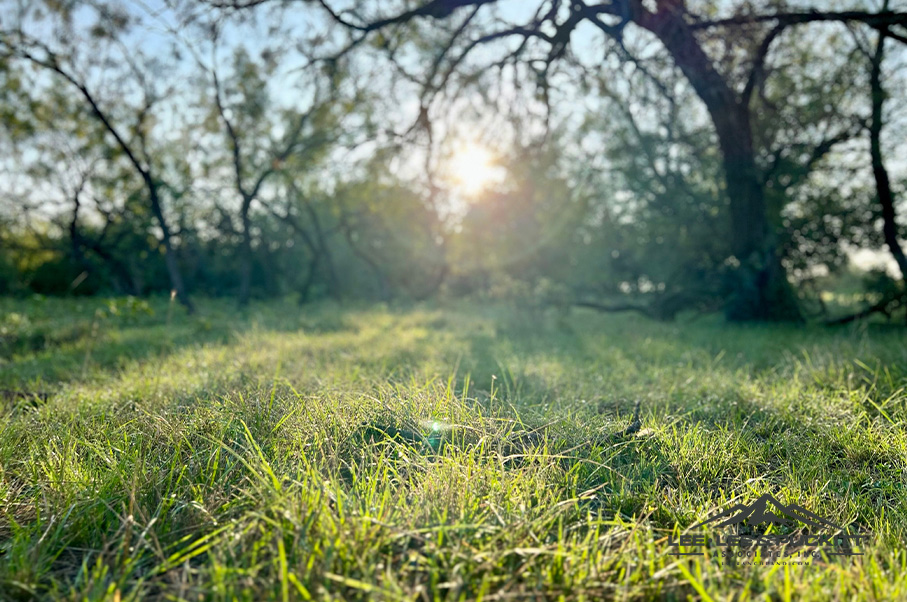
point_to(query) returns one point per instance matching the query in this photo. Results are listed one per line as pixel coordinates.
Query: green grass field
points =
(460, 452)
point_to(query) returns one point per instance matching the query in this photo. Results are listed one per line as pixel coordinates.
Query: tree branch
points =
(758, 71)
(876, 20)
(437, 9)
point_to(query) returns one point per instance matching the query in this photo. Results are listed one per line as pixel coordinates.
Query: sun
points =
(472, 169)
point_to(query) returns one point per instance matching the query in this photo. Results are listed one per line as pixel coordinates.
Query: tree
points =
(393, 229)
(78, 59)
(879, 171)
(892, 294)
(762, 291)
(250, 115)
(310, 229)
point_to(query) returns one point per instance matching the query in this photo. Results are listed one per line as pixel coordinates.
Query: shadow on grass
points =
(61, 343)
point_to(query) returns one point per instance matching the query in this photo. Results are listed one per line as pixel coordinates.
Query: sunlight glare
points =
(472, 169)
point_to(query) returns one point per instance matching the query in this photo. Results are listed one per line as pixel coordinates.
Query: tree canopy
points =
(658, 156)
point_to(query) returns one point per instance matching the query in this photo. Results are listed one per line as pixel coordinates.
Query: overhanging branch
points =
(876, 20)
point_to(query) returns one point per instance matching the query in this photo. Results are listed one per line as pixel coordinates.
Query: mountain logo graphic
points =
(767, 509)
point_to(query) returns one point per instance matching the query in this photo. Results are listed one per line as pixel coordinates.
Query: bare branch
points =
(757, 73)
(876, 20)
(437, 9)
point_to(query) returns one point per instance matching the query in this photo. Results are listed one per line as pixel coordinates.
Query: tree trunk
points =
(173, 270)
(380, 277)
(245, 269)
(883, 183)
(306, 287)
(331, 272)
(124, 281)
(324, 251)
(75, 239)
(760, 290)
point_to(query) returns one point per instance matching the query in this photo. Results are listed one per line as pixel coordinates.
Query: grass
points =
(451, 453)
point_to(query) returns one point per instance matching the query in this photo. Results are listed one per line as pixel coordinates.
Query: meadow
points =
(447, 451)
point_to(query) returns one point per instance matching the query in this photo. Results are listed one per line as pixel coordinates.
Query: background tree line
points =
(653, 156)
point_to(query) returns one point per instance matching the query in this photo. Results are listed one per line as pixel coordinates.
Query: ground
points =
(433, 452)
